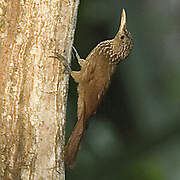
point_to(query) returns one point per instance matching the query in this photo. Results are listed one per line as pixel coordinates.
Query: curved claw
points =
(63, 60)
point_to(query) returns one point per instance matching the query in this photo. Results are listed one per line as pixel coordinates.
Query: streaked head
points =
(123, 39)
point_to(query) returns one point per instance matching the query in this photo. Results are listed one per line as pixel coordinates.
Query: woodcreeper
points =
(93, 80)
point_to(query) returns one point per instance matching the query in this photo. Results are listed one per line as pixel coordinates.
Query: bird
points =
(93, 80)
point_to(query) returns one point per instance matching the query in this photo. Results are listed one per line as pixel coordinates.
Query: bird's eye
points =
(122, 37)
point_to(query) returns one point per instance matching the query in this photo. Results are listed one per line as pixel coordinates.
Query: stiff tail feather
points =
(73, 144)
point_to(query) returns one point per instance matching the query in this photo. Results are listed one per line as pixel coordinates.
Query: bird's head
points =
(122, 43)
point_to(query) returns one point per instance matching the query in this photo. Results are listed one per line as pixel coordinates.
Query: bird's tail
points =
(73, 144)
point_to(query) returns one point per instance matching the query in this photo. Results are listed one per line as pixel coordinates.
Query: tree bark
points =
(33, 87)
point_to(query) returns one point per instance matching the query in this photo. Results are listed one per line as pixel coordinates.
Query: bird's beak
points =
(123, 21)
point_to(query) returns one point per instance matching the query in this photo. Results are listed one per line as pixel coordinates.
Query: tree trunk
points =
(33, 87)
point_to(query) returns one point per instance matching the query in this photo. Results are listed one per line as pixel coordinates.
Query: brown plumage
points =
(94, 78)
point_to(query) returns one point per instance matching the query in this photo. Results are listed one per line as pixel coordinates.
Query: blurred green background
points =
(135, 134)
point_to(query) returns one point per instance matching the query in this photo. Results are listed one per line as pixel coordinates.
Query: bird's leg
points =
(63, 60)
(75, 74)
(80, 61)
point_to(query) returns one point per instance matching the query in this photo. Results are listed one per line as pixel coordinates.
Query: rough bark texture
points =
(33, 87)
